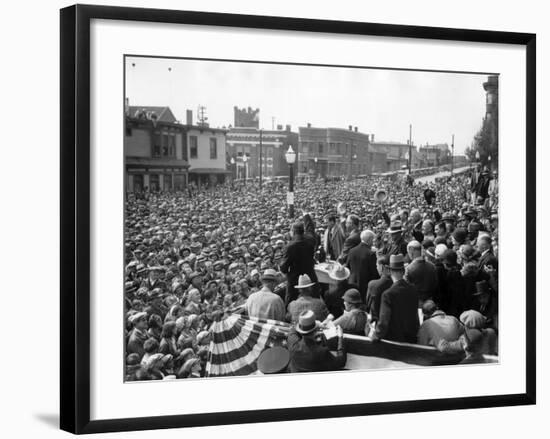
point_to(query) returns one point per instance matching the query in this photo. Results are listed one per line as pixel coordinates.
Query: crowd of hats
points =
(210, 247)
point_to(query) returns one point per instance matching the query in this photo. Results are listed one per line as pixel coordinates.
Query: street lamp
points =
(316, 172)
(232, 161)
(245, 159)
(354, 159)
(290, 157)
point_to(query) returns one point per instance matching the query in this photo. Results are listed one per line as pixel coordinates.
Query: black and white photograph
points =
(299, 218)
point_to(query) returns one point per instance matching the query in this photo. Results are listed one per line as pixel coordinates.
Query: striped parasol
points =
(238, 341)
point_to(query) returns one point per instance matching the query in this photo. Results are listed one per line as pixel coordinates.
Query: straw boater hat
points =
(304, 281)
(269, 274)
(339, 272)
(306, 322)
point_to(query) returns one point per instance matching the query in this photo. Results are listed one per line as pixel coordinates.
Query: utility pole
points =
(452, 154)
(261, 157)
(201, 114)
(410, 147)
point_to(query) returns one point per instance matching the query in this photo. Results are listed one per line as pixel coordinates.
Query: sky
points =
(382, 102)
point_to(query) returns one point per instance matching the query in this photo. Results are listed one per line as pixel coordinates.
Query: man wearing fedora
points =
(308, 347)
(398, 307)
(354, 319)
(396, 244)
(265, 304)
(362, 263)
(297, 259)
(306, 301)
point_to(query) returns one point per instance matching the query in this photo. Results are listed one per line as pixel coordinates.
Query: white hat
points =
(304, 281)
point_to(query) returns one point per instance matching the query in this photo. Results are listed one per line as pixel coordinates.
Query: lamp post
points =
(354, 159)
(452, 155)
(290, 157)
(316, 169)
(261, 164)
(233, 173)
(245, 159)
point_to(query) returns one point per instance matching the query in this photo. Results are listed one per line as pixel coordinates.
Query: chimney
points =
(288, 128)
(279, 128)
(308, 125)
(350, 127)
(372, 138)
(189, 117)
(355, 129)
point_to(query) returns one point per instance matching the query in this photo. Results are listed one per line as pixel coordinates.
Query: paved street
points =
(431, 178)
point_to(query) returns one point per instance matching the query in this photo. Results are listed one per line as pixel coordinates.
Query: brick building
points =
(491, 115)
(164, 155)
(397, 154)
(336, 152)
(248, 141)
(246, 117)
(435, 155)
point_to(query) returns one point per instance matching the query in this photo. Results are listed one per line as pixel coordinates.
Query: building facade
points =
(249, 148)
(206, 152)
(491, 115)
(435, 155)
(155, 155)
(397, 154)
(335, 152)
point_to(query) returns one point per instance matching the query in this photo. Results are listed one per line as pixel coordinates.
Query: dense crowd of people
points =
(391, 247)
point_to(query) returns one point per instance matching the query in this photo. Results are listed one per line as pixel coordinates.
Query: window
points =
(213, 148)
(305, 147)
(154, 185)
(172, 145)
(193, 147)
(321, 146)
(165, 144)
(157, 145)
(167, 182)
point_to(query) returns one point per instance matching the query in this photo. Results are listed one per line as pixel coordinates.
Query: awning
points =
(141, 162)
(208, 171)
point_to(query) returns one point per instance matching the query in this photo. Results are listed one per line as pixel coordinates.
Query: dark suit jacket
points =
(374, 295)
(488, 259)
(351, 241)
(362, 264)
(309, 353)
(297, 259)
(399, 313)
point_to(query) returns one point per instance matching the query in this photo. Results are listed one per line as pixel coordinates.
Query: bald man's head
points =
(367, 237)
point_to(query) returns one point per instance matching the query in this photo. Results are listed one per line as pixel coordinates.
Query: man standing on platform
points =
(353, 239)
(362, 263)
(265, 304)
(399, 307)
(297, 259)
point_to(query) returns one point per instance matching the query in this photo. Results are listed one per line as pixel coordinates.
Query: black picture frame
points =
(75, 216)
